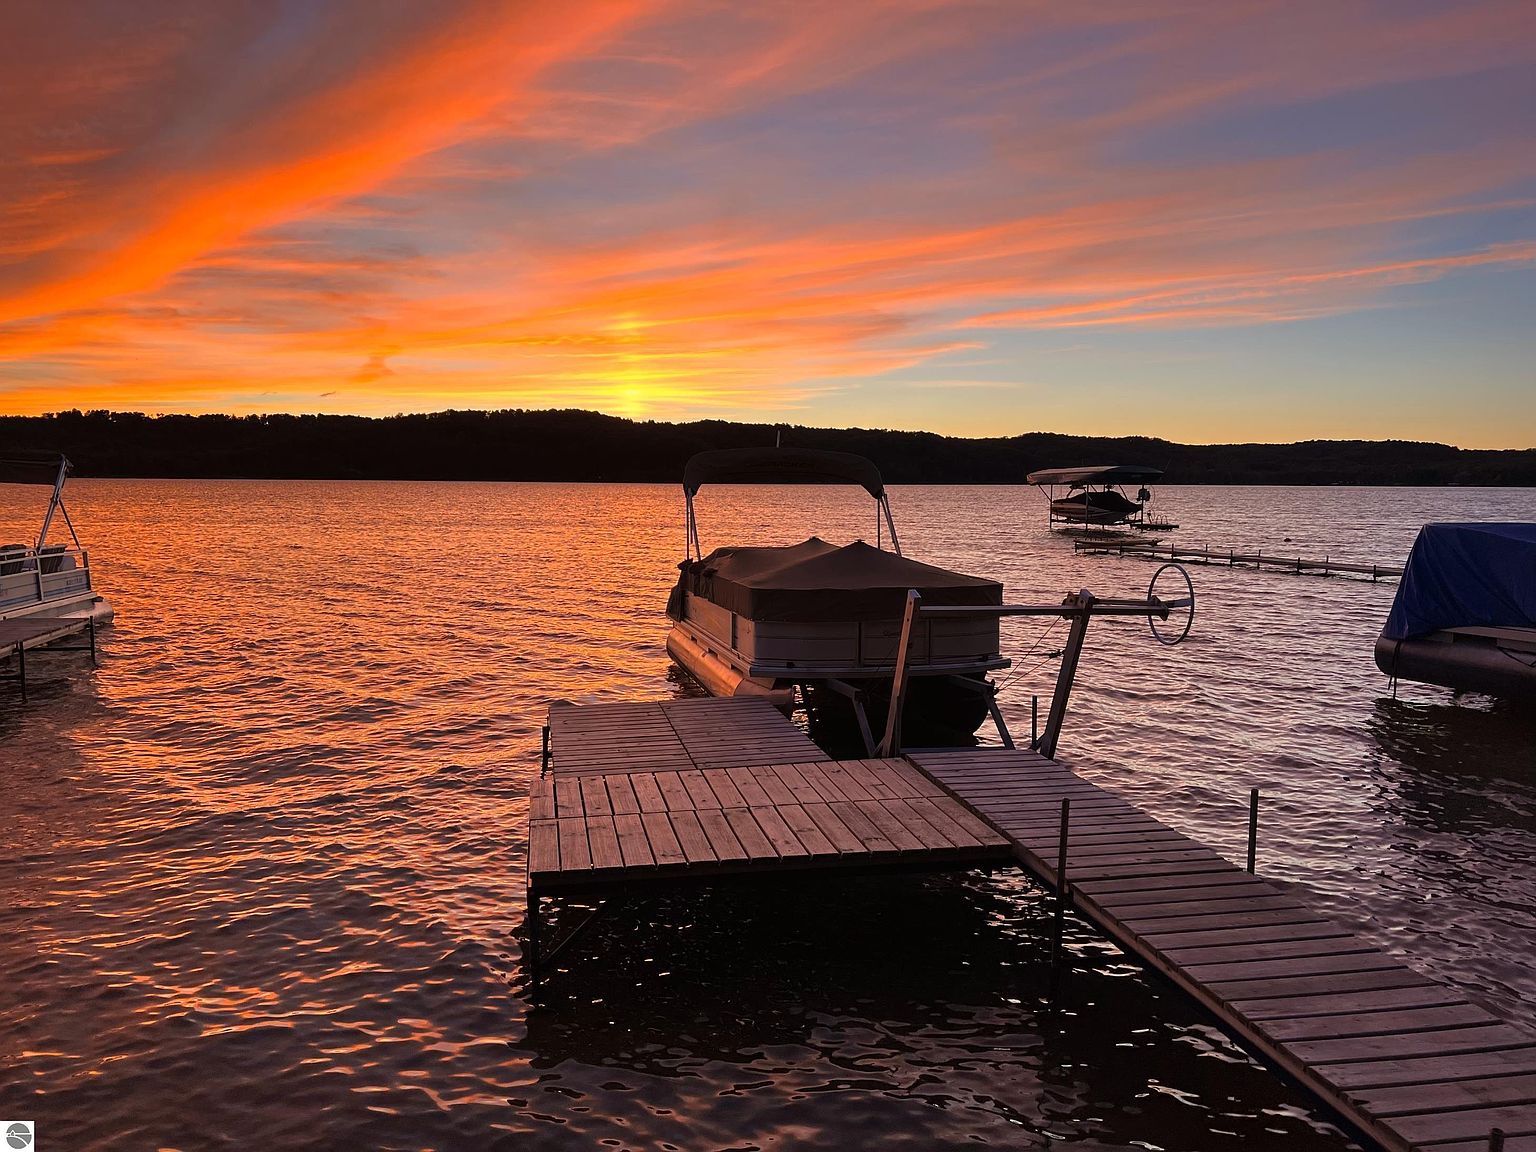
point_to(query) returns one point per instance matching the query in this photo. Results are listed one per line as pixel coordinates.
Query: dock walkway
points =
(635, 794)
(1232, 558)
(1410, 1062)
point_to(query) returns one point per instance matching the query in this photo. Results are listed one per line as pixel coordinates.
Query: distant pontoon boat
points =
(1465, 612)
(1095, 497)
(43, 579)
(827, 619)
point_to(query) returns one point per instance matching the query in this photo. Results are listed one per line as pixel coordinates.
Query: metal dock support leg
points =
(21, 669)
(1083, 602)
(544, 758)
(890, 742)
(1061, 886)
(535, 914)
(1496, 1140)
(1253, 828)
(1034, 723)
(90, 627)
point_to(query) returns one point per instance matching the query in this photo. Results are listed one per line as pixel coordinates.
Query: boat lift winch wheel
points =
(1172, 633)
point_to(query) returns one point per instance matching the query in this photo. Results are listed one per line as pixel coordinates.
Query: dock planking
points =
(690, 788)
(1411, 1063)
(704, 788)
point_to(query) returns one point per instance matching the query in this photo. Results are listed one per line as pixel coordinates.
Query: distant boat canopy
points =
(1098, 474)
(780, 466)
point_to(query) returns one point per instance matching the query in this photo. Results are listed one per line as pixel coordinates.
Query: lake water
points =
(263, 868)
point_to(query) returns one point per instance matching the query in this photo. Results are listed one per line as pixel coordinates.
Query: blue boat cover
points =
(1466, 575)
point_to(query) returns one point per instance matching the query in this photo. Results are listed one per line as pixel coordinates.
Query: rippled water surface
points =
(263, 867)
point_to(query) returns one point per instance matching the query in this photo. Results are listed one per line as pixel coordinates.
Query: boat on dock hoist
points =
(40, 579)
(1096, 498)
(825, 619)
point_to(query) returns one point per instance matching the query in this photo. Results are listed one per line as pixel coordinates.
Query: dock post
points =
(1080, 607)
(21, 668)
(890, 742)
(533, 940)
(544, 757)
(1034, 723)
(90, 626)
(1253, 827)
(1061, 884)
(1496, 1140)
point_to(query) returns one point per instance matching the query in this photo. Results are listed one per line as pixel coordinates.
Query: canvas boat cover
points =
(1466, 575)
(1096, 474)
(18, 467)
(818, 581)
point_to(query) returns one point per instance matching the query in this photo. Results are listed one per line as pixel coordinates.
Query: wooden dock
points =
(634, 794)
(1409, 1062)
(1232, 558)
(689, 788)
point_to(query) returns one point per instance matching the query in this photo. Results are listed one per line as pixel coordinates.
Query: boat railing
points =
(29, 575)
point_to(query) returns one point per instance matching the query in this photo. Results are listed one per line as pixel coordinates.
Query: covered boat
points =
(826, 619)
(43, 579)
(1465, 612)
(1095, 495)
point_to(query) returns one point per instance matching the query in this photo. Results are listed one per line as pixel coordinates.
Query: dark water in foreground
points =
(262, 870)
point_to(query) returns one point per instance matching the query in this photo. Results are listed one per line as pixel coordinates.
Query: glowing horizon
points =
(1286, 222)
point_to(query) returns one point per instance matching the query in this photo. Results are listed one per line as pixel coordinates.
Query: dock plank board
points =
(1452, 1095)
(691, 835)
(779, 833)
(836, 832)
(603, 843)
(1385, 1023)
(722, 839)
(574, 853)
(634, 845)
(664, 846)
(543, 846)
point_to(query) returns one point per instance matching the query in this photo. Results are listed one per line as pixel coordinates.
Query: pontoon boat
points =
(43, 579)
(827, 619)
(1465, 612)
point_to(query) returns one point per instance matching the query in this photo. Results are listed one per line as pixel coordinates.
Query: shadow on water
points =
(824, 1005)
(1459, 767)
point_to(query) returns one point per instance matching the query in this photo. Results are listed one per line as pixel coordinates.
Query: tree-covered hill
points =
(576, 445)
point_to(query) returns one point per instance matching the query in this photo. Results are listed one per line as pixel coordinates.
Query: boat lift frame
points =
(1078, 607)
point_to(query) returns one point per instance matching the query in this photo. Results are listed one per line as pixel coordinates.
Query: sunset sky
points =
(1206, 221)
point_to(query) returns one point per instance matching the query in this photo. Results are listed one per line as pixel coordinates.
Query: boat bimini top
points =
(783, 466)
(46, 468)
(1099, 474)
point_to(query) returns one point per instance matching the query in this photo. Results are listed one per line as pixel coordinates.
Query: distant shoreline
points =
(572, 446)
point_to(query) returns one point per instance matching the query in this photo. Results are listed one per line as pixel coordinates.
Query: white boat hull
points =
(717, 675)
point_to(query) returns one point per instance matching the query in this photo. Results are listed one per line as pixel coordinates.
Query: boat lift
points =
(1096, 502)
(1078, 607)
